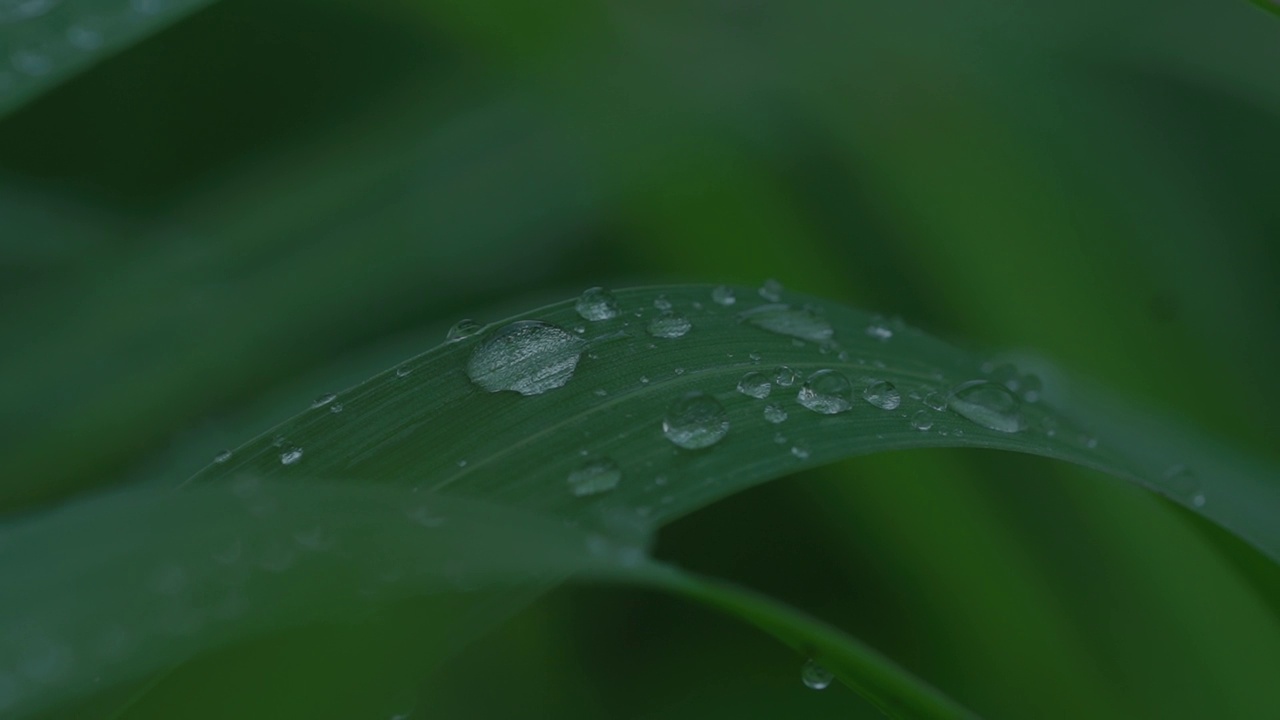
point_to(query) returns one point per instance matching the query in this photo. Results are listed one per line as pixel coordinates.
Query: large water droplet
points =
(826, 392)
(988, 404)
(815, 676)
(669, 325)
(462, 330)
(724, 295)
(771, 290)
(696, 420)
(595, 477)
(782, 319)
(883, 395)
(596, 304)
(775, 413)
(528, 356)
(756, 385)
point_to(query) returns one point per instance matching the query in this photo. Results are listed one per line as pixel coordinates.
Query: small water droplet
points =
(779, 438)
(1182, 483)
(662, 303)
(879, 329)
(323, 400)
(600, 392)
(222, 457)
(335, 408)
(800, 449)
(644, 379)
(756, 385)
(1032, 387)
(596, 304)
(922, 420)
(936, 401)
(291, 456)
(527, 356)
(988, 404)
(826, 392)
(403, 371)
(724, 295)
(882, 395)
(784, 376)
(754, 357)
(771, 290)
(696, 420)
(462, 330)
(592, 478)
(678, 371)
(669, 325)
(815, 676)
(802, 323)
(774, 413)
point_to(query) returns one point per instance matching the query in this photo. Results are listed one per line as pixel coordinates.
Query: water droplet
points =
(1182, 483)
(771, 290)
(883, 395)
(756, 385)
(815, 676)
(1031, 388)
(662, 303)
(800, 449)
(779, 438)
(774, 413)
(988, 404)
(84, 36)
(527, 356)
(323, 400)
(222, 457)
(422, 515)
(291, 456)
(826, 392)
(754, 357)
(696, 420)
(403, 371)
(784, 376)
(669, 325)
(936, 401)
(724, 295)
(644, 379)
(596, 304)
(803, 323)
(462, 330)
(879, 329)
(17, 10)
(600, 392)
(595, 477)
(335, 408)
(922, 420)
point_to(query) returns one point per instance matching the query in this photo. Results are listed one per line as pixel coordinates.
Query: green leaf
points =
(611, 428)
(44, 42)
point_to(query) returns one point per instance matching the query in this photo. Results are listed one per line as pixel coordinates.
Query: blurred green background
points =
(264, 201)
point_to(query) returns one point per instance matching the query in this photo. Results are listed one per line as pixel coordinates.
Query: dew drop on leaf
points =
(335, 408)
(771, 290)
(800, 323)
(800, 450)
(775, 413)
(662, 303)
(528, 356)
(724, 295)
(879, 329)
(222, 457)
(462, 330)
(669, 325)
(1183, 484)
(936, 401)
(290, 456)
(784, 376)
(882, 395)
(323, 400)
(922, 420)
(815, 676)
(594, 477)
(755, 384)
(988, 404)
(596, 304)
(696, 420)
(826, 392)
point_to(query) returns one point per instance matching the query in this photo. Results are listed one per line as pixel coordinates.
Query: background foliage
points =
(260, 202)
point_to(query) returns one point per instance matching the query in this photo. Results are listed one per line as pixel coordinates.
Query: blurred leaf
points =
(47, 41)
